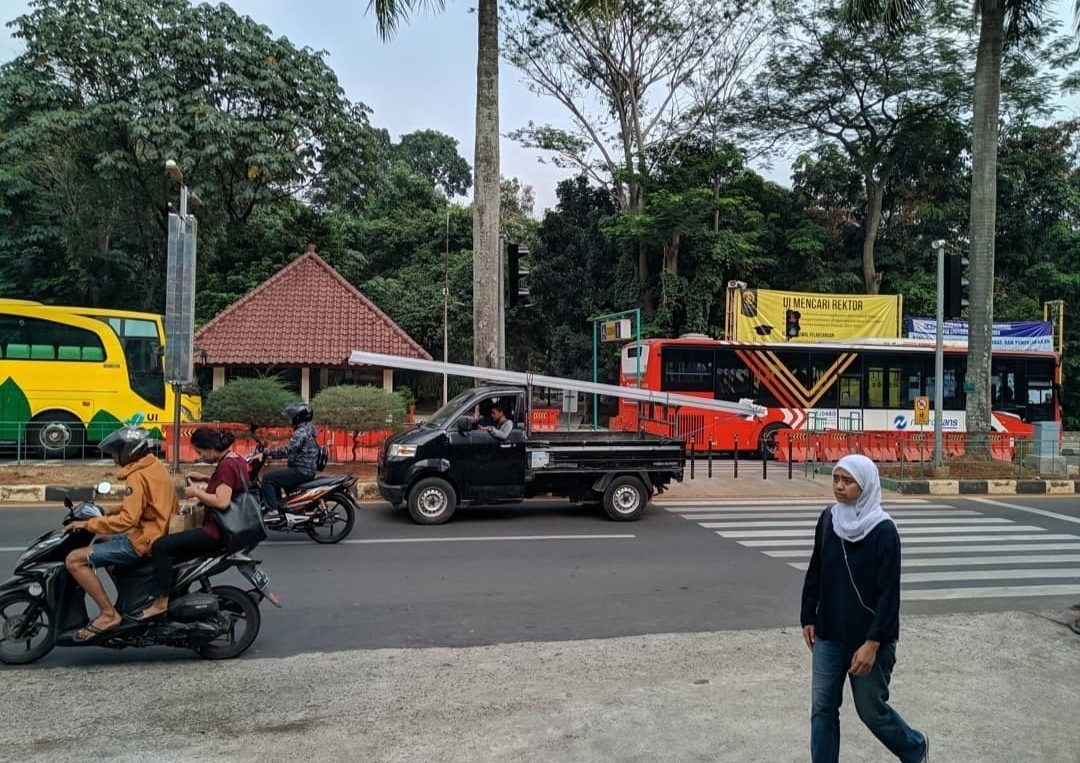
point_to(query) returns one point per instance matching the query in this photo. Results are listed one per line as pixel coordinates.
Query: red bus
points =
(862, 386)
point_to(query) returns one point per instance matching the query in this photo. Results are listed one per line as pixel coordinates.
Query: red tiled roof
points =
(306, 314)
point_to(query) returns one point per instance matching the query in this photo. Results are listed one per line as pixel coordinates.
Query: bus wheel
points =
(56, 435)
(768, 440)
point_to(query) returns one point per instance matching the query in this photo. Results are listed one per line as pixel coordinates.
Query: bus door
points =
(1039, 390)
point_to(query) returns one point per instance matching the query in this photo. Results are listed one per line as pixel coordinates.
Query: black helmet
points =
(126, 444)
(297, 412)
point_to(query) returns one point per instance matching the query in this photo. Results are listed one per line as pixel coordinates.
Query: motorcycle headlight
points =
(402, 451)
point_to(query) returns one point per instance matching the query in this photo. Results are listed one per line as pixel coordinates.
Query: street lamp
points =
(185, 195)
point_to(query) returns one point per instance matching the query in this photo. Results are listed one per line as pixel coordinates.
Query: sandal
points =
(93, 632)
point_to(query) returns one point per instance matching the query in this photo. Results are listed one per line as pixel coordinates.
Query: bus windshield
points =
(143, 352)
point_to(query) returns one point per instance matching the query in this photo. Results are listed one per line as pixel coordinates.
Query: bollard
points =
(764, 460)
(710, 456)
(789, 457)
(692, 459)
(736, 463)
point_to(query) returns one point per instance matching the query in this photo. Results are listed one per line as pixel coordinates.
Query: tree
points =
(107, 91)
(859, 90)
(433, 155)
(256, 402)
(358, 410)
(487, 256)
(1000, 22)
(635, 74)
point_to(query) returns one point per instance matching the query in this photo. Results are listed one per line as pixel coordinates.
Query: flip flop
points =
(94, 632)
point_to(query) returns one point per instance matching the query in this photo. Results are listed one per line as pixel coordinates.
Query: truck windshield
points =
(446, 415)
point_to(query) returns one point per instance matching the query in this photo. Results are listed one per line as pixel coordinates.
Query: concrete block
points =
(972, 487)
(22, 493)
(1060, 487)
(1033, 487)
(1001, 486)
(944, 487)
(1046, 464)
(913, 487)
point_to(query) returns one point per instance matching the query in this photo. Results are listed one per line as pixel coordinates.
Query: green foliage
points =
(406, 394)
(434, 156)
(256, 402)
(358, 409)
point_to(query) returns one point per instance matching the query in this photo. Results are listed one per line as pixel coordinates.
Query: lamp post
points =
(939, 354)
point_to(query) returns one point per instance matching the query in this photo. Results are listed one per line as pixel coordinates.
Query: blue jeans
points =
(117, 551)
(831, 662)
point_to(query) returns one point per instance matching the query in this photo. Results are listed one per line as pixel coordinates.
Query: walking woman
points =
(228, 480)
(851, 616)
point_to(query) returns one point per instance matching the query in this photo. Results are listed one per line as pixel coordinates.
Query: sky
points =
(425, 78)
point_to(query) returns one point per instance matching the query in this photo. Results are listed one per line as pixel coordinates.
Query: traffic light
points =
(792, 329)
(956, 285)
(517, 271)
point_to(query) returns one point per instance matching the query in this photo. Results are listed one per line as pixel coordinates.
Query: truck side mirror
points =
(464, 424)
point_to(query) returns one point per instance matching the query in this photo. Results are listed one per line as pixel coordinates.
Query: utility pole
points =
(939, 351)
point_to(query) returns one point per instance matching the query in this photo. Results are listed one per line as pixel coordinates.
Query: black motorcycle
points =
(323, 508)
(42, 606)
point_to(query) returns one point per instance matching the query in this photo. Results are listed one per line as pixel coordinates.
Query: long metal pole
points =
(595, 376)
(939, 351)
(446, 310)
(637, 321)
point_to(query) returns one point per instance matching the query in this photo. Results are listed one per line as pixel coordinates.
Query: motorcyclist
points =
(302, 452)
(142, 517)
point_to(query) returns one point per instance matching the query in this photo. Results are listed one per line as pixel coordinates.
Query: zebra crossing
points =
(948, 552)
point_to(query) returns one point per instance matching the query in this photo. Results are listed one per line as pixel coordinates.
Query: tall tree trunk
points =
(487, 257)
(875, 193)
(636, 193)
(983, 218)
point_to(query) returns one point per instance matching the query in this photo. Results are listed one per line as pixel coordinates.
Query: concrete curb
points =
(363, 491)
(984, 487)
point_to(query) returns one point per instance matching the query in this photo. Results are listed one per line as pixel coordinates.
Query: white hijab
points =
(854, 521)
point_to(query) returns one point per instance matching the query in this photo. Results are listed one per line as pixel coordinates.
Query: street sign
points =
(611, 331)
(180, 300)
(922, 410)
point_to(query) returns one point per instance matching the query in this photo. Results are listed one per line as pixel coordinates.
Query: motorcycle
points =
(42, 606)
(322, 508)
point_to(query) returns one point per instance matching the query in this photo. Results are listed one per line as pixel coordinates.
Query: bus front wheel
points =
(54, 434)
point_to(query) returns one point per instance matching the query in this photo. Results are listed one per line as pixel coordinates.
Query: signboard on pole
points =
(1018, 335)
(180, 300)
(612, 331)
(922, 410)
(763, 315)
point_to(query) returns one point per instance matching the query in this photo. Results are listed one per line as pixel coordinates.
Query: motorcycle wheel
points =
(16, 647)
(244, 612)
(341, 515)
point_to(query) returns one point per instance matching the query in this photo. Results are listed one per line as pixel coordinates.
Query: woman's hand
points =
(863, 661)
(809, 636)
(191, 491)
(197, 477)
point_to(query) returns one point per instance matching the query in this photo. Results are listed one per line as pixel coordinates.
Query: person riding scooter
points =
(302, 452)
(143, 517)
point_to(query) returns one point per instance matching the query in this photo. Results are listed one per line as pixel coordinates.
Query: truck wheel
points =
(432, 501)
(625, 499)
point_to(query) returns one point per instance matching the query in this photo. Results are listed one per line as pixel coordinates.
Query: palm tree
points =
(487, 260)
(1000, 22)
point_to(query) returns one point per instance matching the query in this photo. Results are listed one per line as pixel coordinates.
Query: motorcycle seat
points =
(317, 482)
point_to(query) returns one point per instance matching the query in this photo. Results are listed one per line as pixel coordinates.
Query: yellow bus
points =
(71, 375)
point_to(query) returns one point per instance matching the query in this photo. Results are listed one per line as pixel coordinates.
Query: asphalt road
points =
(552, 572)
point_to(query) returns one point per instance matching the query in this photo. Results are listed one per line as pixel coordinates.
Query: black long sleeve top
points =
(829, 600)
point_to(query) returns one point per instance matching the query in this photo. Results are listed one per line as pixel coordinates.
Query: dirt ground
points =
(91, 473)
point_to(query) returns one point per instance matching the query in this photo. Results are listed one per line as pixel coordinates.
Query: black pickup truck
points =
(448, 461)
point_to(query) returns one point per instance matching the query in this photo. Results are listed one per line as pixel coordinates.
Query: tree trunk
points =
(636, 193)
(487, 257)
(983, 221)
(875, 193)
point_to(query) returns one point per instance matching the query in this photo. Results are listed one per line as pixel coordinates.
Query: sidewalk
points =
(990, 688)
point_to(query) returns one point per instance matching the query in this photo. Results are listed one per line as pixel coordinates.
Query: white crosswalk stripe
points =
(944, 548)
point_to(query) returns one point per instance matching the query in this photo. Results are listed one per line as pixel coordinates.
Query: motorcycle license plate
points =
(258, 578)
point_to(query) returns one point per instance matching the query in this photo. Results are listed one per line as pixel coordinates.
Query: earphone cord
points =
(843, 548)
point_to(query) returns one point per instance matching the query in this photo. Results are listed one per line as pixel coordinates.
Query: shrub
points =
(358, 409)
(255, 402)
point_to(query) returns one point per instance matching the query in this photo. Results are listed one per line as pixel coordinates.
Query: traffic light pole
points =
(939, 351)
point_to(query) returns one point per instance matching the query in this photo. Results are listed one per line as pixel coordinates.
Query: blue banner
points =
(1021, 335)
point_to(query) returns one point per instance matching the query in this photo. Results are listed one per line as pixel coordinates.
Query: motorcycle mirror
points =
(104, 487)
(68, 503)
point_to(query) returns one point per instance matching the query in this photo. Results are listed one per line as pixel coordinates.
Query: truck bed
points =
(602, 451)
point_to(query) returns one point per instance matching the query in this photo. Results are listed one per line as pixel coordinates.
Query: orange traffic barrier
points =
(544, 419)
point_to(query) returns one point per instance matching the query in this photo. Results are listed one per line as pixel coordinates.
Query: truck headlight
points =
(402, 451)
